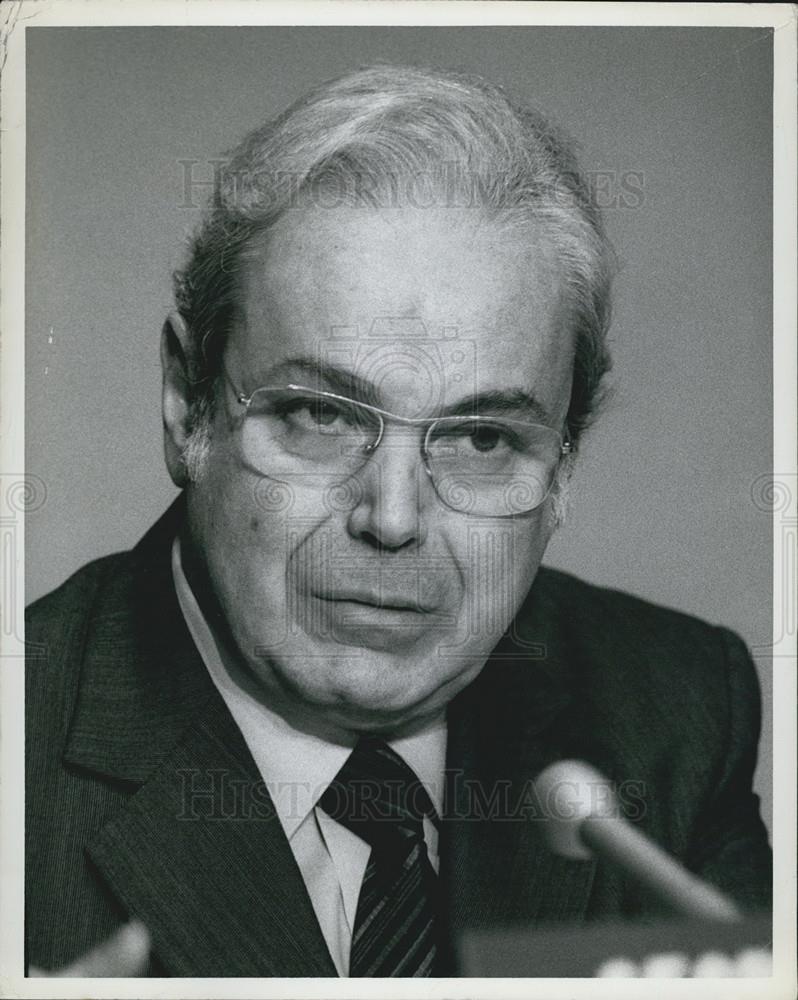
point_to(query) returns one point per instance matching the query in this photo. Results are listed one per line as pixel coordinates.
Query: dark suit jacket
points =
(125, 730)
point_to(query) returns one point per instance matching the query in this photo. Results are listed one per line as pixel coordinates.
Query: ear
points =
(174, 365)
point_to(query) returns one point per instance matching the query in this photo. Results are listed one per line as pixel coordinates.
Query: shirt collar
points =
(295, 766)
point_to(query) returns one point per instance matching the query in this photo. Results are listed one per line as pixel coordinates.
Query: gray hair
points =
(387, 136)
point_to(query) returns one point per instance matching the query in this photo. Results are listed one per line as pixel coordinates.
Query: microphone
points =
(583, 820)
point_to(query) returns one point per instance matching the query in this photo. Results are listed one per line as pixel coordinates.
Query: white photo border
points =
(16, 17)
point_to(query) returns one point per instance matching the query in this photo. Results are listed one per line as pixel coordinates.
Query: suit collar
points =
(141, 679)
(524, 690)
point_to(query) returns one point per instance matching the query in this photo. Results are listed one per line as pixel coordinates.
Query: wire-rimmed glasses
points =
(482, 465)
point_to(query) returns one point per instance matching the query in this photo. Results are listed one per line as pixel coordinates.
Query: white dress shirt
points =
(297, 767)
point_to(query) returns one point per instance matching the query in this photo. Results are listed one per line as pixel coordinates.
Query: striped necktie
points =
(379, 798)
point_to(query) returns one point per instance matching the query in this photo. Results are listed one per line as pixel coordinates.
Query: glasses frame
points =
(566, 445)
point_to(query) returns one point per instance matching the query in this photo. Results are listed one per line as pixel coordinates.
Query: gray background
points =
(663, 500)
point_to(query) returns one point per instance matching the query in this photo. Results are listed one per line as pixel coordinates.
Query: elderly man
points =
(294, 731)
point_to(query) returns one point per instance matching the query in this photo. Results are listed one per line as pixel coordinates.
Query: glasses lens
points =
(492, 468)
(287, 427)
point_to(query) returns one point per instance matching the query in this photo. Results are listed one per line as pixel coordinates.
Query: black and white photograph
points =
(399, 485)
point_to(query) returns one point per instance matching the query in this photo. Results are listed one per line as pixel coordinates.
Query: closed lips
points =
(374, 600)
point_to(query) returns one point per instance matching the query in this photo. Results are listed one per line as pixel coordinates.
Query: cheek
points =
(501, 559)
(248, 527)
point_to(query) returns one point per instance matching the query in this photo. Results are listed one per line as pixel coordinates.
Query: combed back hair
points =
(393, 136)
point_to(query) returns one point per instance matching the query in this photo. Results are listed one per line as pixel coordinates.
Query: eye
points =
(315, 413)
(323, 412)
(484, 437)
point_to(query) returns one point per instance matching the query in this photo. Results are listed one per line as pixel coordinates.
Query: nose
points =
(394, 495)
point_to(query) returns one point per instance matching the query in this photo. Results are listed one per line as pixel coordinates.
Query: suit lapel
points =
(211, 875)
(518, 717)
(200, 856)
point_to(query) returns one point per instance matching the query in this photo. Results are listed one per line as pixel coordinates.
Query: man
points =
(295, 730)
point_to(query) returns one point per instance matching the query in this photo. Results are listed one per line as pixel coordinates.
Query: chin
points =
(387, 695)
(374, 701)
(381, 719)
(358, 689)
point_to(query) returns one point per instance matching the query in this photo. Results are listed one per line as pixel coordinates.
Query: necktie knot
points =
(377, 795)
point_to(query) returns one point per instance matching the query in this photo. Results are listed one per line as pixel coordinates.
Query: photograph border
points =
(16, 18)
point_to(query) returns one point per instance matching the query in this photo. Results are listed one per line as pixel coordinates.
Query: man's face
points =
(369, 606)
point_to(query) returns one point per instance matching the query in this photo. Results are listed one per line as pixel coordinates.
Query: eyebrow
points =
(513, 402)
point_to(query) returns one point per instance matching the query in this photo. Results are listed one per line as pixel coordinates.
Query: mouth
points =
(372, 619)
(375, 602)
(386, 624)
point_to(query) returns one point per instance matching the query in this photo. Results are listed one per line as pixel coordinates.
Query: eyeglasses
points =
(487, 466)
